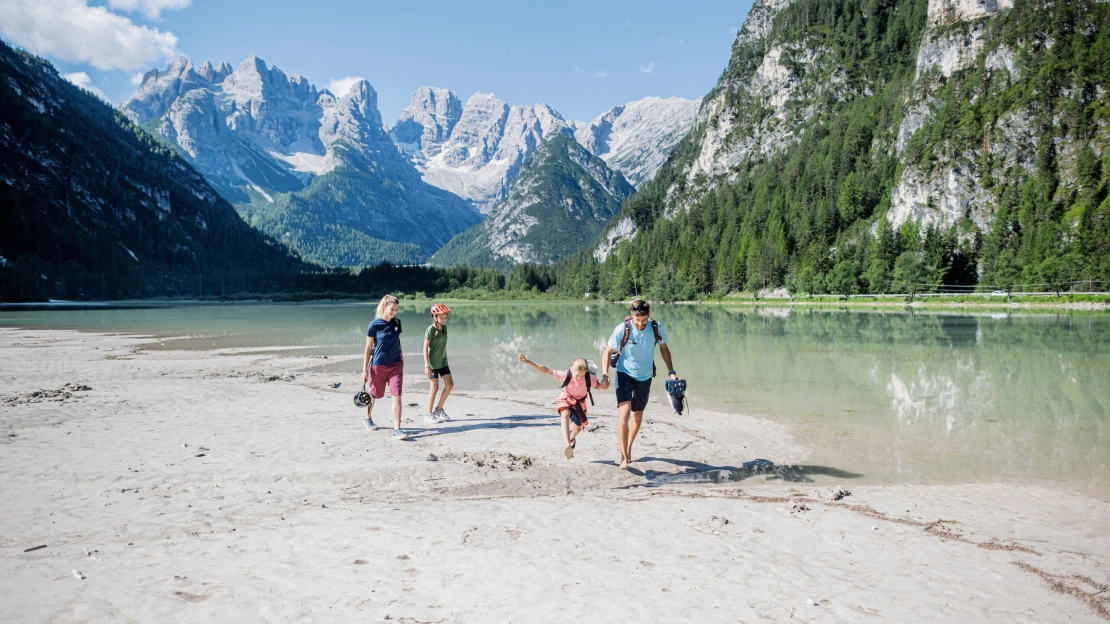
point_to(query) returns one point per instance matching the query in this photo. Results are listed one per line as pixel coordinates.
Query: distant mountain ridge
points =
(260, 134)
(322, 174)
(476, 149)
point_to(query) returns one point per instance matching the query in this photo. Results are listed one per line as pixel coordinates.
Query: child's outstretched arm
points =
(540, 367)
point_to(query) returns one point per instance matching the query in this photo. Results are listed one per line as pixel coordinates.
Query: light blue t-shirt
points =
(639, 352)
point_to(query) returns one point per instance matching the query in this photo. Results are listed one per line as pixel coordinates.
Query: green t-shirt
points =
(437, 349)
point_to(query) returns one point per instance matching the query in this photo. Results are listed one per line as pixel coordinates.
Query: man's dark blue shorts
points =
(631, 390)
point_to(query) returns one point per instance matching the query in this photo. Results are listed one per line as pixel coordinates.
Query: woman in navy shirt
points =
(383, 362)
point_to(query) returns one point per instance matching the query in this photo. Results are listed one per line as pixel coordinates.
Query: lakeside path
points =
(283, 507)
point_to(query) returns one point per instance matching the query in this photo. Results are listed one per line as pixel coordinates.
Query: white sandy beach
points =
(239, 486)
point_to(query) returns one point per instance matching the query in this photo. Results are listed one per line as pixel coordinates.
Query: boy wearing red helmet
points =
(435, 363)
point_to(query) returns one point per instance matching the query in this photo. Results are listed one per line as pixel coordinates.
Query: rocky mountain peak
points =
(253, 80)
(427, 122)
(363, 96)
(160, 88)
(354, 120)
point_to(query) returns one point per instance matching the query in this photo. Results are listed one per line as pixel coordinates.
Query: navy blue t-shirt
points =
(387, 341)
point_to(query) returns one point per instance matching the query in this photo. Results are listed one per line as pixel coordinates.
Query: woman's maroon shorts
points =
(391, 374)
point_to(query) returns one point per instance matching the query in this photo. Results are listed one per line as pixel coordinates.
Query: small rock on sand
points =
(831, 493)
(432, 457)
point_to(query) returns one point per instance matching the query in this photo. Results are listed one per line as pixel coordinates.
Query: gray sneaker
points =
(441, 415)
(370, 424)
(431, 418)
(400, 434)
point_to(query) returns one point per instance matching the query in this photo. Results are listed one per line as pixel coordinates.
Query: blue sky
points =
(580, 57)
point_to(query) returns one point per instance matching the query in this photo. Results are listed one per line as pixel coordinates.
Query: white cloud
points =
(150, 8)
(340, 86)
(81, 79)
(649, 68)
(600, 74)
(73, 31)
(137, 78)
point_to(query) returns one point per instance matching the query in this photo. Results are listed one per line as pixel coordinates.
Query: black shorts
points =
(440, 372)
(630, 390)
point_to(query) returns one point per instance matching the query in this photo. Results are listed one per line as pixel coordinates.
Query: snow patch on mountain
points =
(305, 162)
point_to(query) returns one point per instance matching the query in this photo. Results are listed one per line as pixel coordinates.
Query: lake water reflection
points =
(894, 396)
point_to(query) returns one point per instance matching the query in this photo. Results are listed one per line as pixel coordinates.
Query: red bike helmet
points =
(439, 308)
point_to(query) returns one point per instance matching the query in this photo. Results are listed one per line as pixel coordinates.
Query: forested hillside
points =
(91, 206)
(882, 146)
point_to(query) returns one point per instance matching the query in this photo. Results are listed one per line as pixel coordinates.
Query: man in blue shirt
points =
(635, 368)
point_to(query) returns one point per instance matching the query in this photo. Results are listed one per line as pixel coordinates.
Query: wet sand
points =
(240, 486)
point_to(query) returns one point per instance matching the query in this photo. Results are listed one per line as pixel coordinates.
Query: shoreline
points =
(282, 506)
(830, 304)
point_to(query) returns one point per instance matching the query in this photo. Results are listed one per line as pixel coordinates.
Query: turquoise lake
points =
(898, 397)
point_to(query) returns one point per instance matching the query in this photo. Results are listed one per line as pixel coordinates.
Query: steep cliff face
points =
(950, 190)
(863, 146)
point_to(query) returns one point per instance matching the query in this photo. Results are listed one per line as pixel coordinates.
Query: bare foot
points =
(624, 464)
(569, 452)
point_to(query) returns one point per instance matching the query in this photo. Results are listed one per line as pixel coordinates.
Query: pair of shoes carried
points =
(441, 415)
(572, 442)
(568, 452)
(400, 434)
(369, 422)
